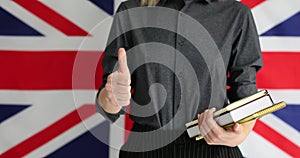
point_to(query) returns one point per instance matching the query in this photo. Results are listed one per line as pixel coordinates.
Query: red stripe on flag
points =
(53, 18)
(82, 70)
(50, 132)
(281, 70)
(47, 70)
(277, 139)
(252, 3)
(128, 124)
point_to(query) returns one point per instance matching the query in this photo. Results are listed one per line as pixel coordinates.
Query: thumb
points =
(122, 59)
(236, 127)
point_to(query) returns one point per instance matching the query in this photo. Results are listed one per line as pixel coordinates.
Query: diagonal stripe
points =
(252, 3)
(273, 12)
(290, 27)
(277, 139)
(86, 143)
(282, 127)
(50, 132)
(290, 114)
(52, 17)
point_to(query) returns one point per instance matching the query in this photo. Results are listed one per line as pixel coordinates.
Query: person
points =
(230, 25)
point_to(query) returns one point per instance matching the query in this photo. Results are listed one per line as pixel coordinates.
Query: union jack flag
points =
(50, 51)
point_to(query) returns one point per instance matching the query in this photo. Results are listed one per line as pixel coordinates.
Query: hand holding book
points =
(241, 111)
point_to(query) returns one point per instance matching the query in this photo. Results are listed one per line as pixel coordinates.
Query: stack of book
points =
(241, 111)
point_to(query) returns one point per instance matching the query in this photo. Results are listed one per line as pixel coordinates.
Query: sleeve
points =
(245, 60)
(110, 58)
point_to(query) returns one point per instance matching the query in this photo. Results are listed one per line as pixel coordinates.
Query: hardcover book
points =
(241, 111)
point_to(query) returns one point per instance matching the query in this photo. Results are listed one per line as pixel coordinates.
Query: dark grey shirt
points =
(231, 27)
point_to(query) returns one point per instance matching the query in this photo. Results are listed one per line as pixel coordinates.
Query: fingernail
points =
(198, 115)
(214, 109)
(237, 126)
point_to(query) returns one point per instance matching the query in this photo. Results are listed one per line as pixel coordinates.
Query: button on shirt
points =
(229, 24)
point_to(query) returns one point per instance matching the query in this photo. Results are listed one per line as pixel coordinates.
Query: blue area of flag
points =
(86, 145)
(12, 26)
(290, 114)
(8, 110)
(290, 27)
(106, 5)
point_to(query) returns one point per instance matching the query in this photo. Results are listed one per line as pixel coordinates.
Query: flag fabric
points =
(50, 55)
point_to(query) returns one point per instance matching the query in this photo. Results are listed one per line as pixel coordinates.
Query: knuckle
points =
(110, 76)
(209, 142)
(128, 96)
(126, 103)
(214, 140)
(111, 96)
(108, 87)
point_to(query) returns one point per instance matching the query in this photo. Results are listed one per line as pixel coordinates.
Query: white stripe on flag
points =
(280, 44)
(289, 96)
(272, 12)
(255, 146)
(283, 128)
(95, 15)
(30, 19)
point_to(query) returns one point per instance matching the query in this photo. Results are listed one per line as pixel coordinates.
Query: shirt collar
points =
(208, 1)
(161, 2)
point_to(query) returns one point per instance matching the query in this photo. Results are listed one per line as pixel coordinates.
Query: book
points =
(241, 111)
(244, 111)
(255, 116)
(234, 105)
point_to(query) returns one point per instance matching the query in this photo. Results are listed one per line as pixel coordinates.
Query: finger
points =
(119, 89)
(122, 59)
(124, 90)
(108, 87)
(123, 97)
(210, 122)
(123, 103)
(215, 134)
(123, 80)
(109, 77)
(209, 139)
(204, 129)
(237, 128)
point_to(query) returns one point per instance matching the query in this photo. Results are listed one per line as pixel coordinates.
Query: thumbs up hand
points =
(118, 83)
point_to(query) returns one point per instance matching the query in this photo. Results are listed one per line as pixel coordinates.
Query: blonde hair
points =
(149, 2)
